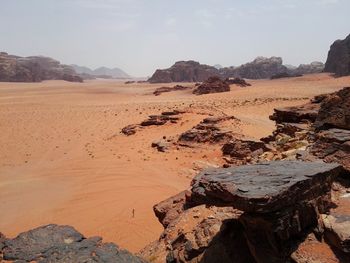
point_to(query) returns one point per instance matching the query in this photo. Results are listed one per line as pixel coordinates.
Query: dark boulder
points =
(265, 187)
(338, 61)
(53, 243)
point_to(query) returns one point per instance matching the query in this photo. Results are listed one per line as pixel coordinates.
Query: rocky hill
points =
(34, 69)
(116, 73)
(260, 68)
(184, 71)
(338, 61)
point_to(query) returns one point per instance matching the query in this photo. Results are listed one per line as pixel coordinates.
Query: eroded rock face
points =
(54, 243)
(338, 60)
(297, 114)
(260, 68)
(201, 234)
(169, 209)
(184, 71)
(212, 85)
(265, 187)
(337, 231)
(335, 110)
(243, 151)
(34, 69)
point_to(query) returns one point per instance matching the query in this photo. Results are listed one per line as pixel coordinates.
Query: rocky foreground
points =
(54, 243)
(290, 204)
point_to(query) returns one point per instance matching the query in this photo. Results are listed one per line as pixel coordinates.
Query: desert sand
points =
(63, 159)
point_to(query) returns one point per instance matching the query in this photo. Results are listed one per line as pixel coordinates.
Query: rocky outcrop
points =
(169, 209)
(260, 68)
(338, 60)
(313, 67)
(54, 243)
(212, 85)
(281, 201)
(208, 131)
(278, 203)
(161, 90)
(184, 71)
(337, 231)
(34, 69)
(241, 152)
(298, 114)
(335, 110)
(201, 234)
(237, 81)
(153, 120)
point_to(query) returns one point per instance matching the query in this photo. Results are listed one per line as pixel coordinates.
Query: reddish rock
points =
(334, 111)
(243, 151)
(297, 114)
(169, 209)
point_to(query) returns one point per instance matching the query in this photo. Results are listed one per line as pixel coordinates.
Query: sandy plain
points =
(63, 159)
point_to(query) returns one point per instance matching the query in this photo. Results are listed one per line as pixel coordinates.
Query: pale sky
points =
(140, 36)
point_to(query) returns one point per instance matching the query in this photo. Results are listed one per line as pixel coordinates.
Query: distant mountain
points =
(101, 72)
(34, 69)
(259, 68)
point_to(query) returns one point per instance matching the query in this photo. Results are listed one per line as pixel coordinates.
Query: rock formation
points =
(184, 71)
(208, 131)
(34, 69)
(260, 68)
(313, 67)
(153, 120)
(101, 72)
(212, 85)
(161, 90)
(54, 243)
(279, 202)
(338, 60)
(237, 81)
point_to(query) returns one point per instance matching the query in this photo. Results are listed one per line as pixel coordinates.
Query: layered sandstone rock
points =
(335, 110)
(54, 243)
(34, 69)
(338, 60)
(161, 90)
(281, 201)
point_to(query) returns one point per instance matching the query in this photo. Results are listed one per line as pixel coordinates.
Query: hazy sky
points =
(142, 35)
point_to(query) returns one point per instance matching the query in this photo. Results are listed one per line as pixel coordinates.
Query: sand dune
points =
(63, 159)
